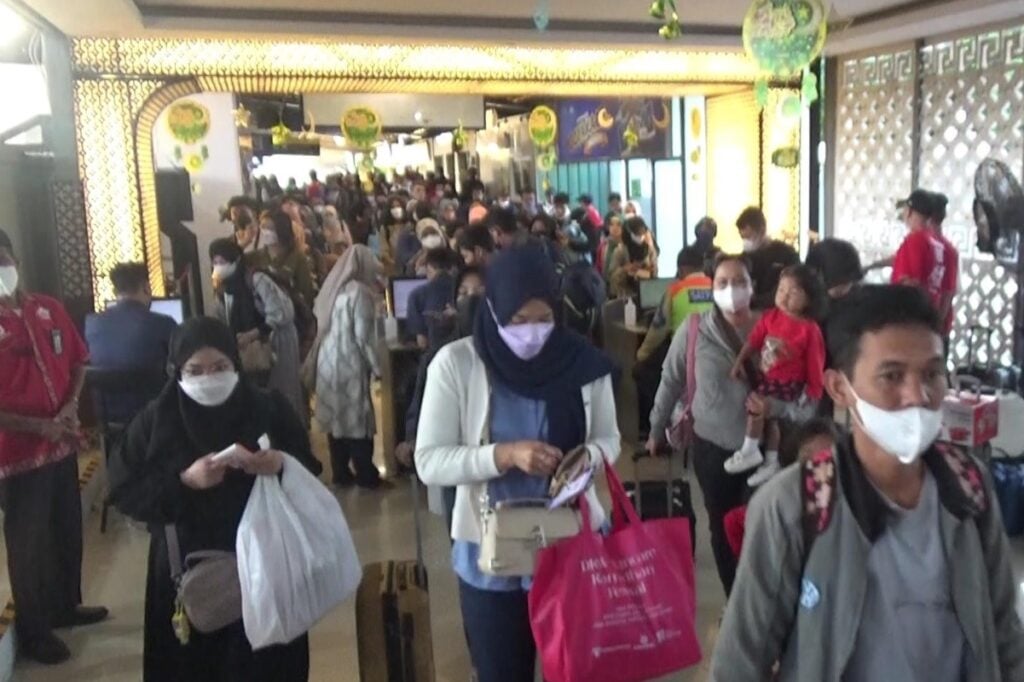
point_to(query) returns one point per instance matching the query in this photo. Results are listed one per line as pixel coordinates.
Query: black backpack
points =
(583, 296)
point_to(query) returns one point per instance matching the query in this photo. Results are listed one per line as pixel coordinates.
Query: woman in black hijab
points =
(499, 411)
(163, 474)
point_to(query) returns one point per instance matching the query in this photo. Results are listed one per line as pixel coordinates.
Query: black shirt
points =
(768, 262)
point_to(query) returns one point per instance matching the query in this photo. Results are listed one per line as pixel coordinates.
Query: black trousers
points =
(722, 492)
(355, 451)
(43, 531)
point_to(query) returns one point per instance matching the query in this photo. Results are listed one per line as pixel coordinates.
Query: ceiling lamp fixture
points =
(666, 11)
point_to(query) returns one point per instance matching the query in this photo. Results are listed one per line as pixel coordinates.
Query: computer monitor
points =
(401, 289)
(652, 291)
(171, 307)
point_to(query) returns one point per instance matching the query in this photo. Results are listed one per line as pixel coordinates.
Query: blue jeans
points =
(498, 629)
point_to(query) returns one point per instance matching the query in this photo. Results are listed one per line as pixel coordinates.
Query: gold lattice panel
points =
(484, 68)
(780, 187)
(106, 159)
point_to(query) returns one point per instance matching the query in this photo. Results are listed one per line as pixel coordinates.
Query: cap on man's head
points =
(585, 199)
(920, 201)
(561, 198)
(614, 196)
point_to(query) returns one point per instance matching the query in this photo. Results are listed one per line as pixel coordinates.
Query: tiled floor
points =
(382, 525)
(114, 575)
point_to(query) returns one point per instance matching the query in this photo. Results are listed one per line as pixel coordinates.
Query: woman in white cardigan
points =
(499, 410)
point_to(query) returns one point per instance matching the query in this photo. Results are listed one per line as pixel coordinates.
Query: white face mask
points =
(638, 239)
(224, 270)
(397, 213)
(733, 299)
(268, 238)
(750, 245)
(432, 241)
(210, 390)
(8, 280)
(905, 434)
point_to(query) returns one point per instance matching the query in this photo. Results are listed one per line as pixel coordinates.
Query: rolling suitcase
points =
(660, 499)
(393, 617)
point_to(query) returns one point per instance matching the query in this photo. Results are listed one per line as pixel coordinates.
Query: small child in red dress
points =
(792, 363)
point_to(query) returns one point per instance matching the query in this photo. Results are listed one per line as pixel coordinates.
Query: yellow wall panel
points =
(734, 164)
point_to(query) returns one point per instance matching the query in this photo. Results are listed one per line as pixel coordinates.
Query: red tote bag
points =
(616, 608)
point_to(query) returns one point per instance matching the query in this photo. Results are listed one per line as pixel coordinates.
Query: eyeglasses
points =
(199, 370)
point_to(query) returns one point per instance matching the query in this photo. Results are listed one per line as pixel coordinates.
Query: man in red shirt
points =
(42, 362)
(921, 258)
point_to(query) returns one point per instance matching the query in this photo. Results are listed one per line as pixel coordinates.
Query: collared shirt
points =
(513, 418)
(39, 352)
(909, 631)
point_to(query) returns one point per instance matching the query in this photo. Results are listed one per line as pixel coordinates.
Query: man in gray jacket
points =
(886, 559)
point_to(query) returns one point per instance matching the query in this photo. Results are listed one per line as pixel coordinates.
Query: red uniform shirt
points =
(39, 351)
(922, 259)
(792, 350)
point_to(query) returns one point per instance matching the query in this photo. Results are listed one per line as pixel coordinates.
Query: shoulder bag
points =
(209, 596)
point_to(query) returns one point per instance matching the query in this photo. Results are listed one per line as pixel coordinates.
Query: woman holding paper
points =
(166, 473)
(500, 410)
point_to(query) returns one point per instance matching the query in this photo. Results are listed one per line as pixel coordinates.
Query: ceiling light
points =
(339, 140)
(12, 25)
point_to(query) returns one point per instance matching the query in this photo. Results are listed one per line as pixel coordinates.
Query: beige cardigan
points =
(453, 446)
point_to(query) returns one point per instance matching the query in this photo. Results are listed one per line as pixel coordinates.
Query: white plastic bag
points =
(296, 558)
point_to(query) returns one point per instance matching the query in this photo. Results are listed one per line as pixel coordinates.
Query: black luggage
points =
(667, 497)
(393, 617)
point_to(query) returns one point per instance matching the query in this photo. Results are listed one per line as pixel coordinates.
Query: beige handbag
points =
(257, 357)
(209, 591)
(513, 531)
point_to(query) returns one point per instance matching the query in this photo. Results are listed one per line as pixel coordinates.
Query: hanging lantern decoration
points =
(542, 127)
(280, 134)
(362, 127)
(459, 138)
(542, 15)
(189, 122)
(783, 37)
(666, 11)
(630, 138)
(243, 117)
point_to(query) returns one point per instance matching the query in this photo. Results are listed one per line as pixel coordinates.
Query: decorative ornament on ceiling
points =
(459, 138)
(542, 126)
(242, 116)
(189, 122)
(783, 37)
(666, 11)
(542, 15)
(361, 126)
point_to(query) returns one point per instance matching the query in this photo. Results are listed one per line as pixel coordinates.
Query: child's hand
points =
(738, 373)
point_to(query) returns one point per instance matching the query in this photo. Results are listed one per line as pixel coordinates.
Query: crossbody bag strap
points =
(735, 344)
(173, 550)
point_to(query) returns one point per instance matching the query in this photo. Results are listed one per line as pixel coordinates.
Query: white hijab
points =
(357, 264)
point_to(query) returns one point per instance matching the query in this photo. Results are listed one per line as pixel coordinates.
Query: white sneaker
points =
(743, 460)
(764, 474)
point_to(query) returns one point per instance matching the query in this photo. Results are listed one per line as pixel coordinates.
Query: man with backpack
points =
(886, 558)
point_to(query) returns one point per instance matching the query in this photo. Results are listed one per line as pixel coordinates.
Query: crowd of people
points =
(879, 555)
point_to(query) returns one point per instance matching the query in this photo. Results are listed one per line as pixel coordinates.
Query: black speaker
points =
(173, 197)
